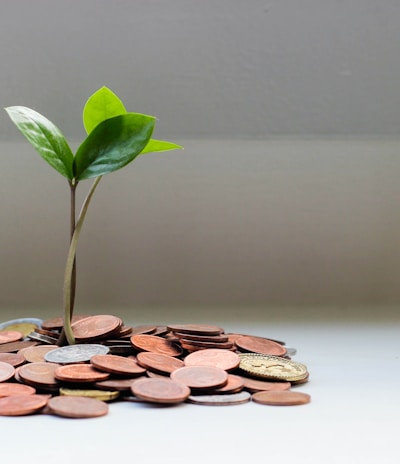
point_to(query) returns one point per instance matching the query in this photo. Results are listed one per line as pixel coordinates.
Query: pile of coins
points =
(192, 363)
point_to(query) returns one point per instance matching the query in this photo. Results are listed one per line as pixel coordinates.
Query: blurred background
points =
(286, 196)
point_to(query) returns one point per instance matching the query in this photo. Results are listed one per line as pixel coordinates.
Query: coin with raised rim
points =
(9, 336)
(260, 345)
(72, 354)
(96, 327)
(102, 395)
(155, 344)
(220, 400)
(36, 353)
(281, 398)
(15, 359)
(199, 329)
(79, 373)
(39, 374)
(160, 363)
(15, 389)
(221, 358)
(22, 405)
(272, 367)
(117, 364)
(157, 390)
(6, 371)
(256, 385)
(77, 407)
(201, 377)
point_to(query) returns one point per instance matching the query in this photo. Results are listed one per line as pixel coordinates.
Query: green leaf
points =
(102, 105)
(159, 145)
(113, 144)
(45, 137)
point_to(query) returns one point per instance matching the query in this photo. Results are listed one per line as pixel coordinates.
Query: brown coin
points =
(39, 374)
(9, 336)
(155, 344)
(79, 373)
(220, 400)
(260, 345)
(223, 359)
(116, 364)
(57, 323)
(13, 389)
(124, 331)
(254, 385)
(281, 398)
(95, 327)
(234, 336)
(202, 338)
(199, 329)
(156, 375)
(16, 346)
(36, 353)
(15, 359)
(161, 330)
(121, 385)
(6, 371)
(160, 363)
(160, 390)
(143, 329)
(234, 385)
(201, 377)
(22, 405)
(77, 407)
(191, 344)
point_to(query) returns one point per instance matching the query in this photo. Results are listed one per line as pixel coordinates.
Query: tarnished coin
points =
(281, 398)
(201, 377)
(221, 358)
(73, 354)
(77, 407)
(272, 367)
(22, 405)
(102, 395)
(95, 327)
(57, 323)
(24, 325)
(191, 345)
(79, 373)
(6, 371)
(16, 346)
(157, 362)
(39, 374)
(15, 359)
(199, 329)
(9, 336)
(235, 384)
(160, 390)
(220, 400)
(255, 385)
(260, 345)
(202, 338)
(120, 385)
(143, 329)
(116, 365)
(13, 389)
(155, 344)
(36, 353)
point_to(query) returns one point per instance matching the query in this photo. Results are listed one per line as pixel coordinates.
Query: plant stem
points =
(69, 291)
(73, 186)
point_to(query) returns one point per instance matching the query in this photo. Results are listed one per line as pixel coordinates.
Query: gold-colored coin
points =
(98, 394)
(272, 367)
(25, 328)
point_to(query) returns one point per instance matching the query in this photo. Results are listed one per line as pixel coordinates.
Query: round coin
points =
(6, 371)
(24, 325)
(101, 395)
(220, 400)
(196, 329)
(36, 353)
(260, 345)
(272, 367)
(201, 377)
(159, 363)
(38, 374)
(77, 407)
(155, 344)
(15, 359)
(221, 358)
(79, 373)
(13, 389)
(158, 390)
(120, 385)
(255, 385)
(117, 365)
(95, 327)
(9, 336)
(57, 323)
(235, 384)
(281, 398)
(72, 354)
(22, 405)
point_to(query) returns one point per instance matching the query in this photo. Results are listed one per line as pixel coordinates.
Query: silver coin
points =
(220, 400)
(75, 353)
(291, 351)
(42, 338)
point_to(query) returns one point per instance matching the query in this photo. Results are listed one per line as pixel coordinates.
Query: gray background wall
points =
(287, 190)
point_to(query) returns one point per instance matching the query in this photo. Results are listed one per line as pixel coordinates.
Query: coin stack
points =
(192, 363)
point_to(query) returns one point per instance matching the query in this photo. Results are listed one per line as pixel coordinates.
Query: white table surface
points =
(353, 418)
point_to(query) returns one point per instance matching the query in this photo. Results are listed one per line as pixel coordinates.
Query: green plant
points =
(115, 138)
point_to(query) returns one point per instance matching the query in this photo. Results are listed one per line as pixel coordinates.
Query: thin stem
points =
(70, 263)
(73, 186)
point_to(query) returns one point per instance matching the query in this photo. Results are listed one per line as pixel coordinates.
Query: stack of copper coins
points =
(168, 364)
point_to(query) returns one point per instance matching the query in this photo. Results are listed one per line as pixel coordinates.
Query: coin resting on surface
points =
(155, 344)
(36, 353)
(9, 336)
(159, 362)
(79, 373)
(77, 407)
(160, 390)
(21, 405)
(75, 353)
(220, 400)
(281, 398)
(95, 327)
(116, 364)
(201, 377)
(13, 389)
(260, 345)
(221, 358)
(6, 371)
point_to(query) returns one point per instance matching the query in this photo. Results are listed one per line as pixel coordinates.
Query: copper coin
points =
(39, 374)
(160, 363)
(77, 407)
(116, 364)
(160, 390)
(57, 323)
(124, 331)
(234, 336)
(36, 353)
(15, 359)
(6, 371)
(156, 375)
(260, 345)
(12, 389)
(220, 400)
(79, 373)
(9, 336)
(201, 377)
(199, 329)
(223, 359)
(21, 405)
(95, 327)
(202, 338)
(143, 329)
(155, 344)
(16, 346)
(190, 344)
(254, 385)
(281, 398)
(234, 385)
(121, 385)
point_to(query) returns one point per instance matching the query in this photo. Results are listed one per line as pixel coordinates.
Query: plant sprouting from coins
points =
(115, 137)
